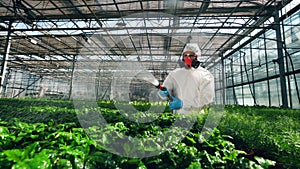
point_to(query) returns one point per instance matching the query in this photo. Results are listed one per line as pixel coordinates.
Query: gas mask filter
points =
(191, 62)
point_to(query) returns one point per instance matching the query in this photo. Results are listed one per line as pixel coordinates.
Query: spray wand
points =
(145, 75)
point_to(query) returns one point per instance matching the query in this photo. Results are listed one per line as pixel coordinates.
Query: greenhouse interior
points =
(81, 83)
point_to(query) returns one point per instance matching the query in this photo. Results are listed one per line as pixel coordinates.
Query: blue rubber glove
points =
(175, 104)
(164, 92)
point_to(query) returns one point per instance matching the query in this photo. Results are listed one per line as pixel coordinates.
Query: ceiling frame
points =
(213, 24)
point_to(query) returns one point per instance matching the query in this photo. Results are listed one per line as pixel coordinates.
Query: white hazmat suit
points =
(194, 87)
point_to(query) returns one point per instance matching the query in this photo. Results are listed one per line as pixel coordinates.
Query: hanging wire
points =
(248, 80)
(232, 81)
(293, 69)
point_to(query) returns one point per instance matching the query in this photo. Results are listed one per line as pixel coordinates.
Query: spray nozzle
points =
(163, 88)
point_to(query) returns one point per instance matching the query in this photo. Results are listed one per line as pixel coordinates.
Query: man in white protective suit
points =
(190, 87)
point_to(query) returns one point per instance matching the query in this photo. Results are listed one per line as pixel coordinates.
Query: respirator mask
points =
(191, 60)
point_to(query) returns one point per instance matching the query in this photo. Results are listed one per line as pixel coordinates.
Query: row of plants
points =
(48, 134)
(39, 145)
(270, 132)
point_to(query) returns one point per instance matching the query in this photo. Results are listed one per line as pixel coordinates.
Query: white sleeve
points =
(207, 90)
(169, 84)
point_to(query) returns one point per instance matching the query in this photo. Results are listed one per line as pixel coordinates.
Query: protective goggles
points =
(189, 55)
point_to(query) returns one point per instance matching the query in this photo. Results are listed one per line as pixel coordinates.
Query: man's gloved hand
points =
(175, 104)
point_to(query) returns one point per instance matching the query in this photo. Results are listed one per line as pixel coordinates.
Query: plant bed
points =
(23, 132)
(273, 133)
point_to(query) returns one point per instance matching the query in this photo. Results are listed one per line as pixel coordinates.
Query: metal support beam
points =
(5, 58)
(280, 60)
(72, 76)
(223, 81)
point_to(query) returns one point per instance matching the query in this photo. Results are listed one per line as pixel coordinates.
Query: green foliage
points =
(37, 111)
(47, 134)
(270, 132)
